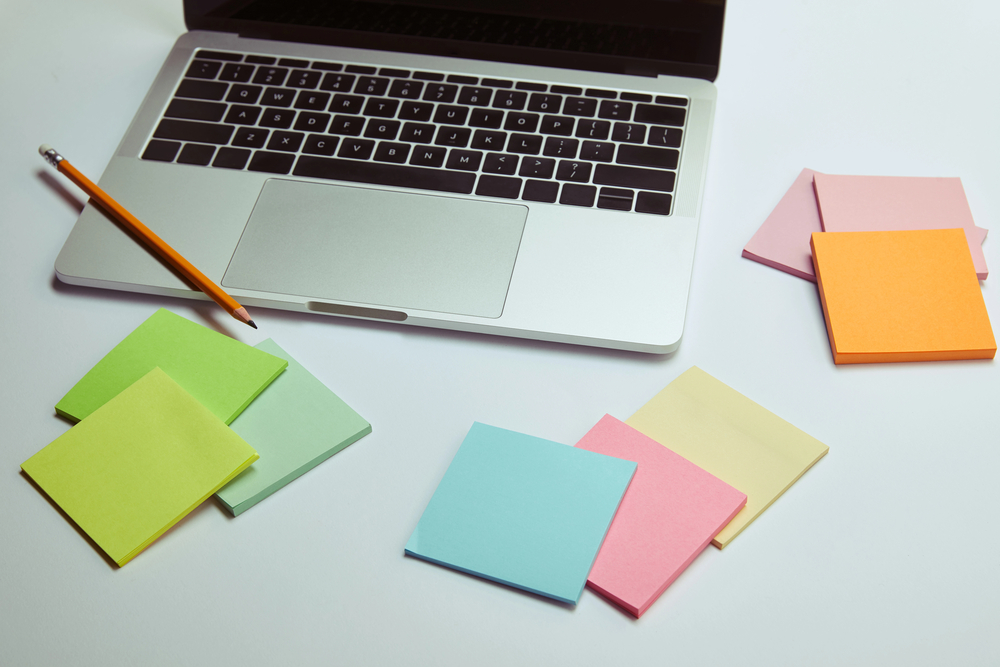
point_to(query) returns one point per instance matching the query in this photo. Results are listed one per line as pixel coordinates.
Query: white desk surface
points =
(884, 553)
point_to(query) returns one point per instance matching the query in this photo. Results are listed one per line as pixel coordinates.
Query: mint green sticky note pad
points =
(220, 372)
(522, 511)
(295, 424)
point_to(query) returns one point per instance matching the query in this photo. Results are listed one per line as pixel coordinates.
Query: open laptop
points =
(529, 169)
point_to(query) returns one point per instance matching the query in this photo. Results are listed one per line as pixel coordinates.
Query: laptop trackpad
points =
(390, 249)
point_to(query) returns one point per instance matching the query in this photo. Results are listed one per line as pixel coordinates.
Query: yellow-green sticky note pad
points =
(139, 464)
(220, 372)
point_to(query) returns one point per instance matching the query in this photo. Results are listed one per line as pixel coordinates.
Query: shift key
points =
(185, 130)
(634, 177)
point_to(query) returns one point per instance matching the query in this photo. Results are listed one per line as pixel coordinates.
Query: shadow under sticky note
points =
(220, 372)
(726, 434)
(295, 424)
(138, 464)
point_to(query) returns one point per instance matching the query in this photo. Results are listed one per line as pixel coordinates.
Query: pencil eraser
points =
(44, 148)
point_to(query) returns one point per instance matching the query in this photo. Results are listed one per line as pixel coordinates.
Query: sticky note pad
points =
(523, 511)
(221, 373)
(896, 203)
(670, 513)
(138, 464)
(901, 296)
(295, 424)
(726, 434)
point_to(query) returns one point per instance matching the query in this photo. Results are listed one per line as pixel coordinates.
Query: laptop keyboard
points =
(434, 131)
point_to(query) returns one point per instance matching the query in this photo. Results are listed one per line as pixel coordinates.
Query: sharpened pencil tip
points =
(251, 323)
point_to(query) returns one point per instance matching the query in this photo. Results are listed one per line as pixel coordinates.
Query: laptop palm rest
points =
(387, 249)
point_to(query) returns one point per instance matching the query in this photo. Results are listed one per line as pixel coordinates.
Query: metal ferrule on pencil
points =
(51, 156)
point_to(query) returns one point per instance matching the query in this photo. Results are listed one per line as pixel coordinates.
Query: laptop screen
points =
(644, 37)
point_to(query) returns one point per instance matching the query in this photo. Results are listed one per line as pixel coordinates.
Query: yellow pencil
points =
(155, 243)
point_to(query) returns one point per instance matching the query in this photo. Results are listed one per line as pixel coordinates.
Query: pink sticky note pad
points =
(669, 514)
(893, 203)
(782, 242)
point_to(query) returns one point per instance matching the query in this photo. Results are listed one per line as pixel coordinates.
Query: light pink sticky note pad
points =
(669, 514)
(893, 203)
(782, 242)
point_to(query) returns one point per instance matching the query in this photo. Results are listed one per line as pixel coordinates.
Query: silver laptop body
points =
(391, 203)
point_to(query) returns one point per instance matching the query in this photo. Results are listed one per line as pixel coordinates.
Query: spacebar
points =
(385, 174)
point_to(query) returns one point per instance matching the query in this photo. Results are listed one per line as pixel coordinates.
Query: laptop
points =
(526, 169)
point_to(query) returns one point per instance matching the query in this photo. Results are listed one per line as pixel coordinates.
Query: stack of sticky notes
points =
(626, 510)
(153, 439)
(897, 261)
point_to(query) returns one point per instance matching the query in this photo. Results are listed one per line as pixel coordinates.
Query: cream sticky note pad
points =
(726, 434)
(901, 296)
(670, 513)
(138, 464)
(295, 424)
(221, 373)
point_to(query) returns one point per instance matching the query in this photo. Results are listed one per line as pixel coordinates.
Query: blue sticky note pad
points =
(523, 511)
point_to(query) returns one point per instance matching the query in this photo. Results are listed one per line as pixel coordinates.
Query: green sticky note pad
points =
(139, 464)
(523, 511)
(295, 424)
(221, 373)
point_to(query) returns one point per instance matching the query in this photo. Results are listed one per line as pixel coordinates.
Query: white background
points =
(884, 553)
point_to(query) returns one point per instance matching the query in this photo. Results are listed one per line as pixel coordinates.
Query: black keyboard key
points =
(521, 122)
(195, 110)
(388, 71)
(338, 82)
(161, 151)
(416, 111)
(453, 136)
(237, 73)
(219, 55)
(675, 101)
(379, 128)
(320, 144)
(561, 125)
(580, 106)
(428, 156)
(328, 67)
(653, 202)
(261, 60)
(465, 160)
(250, 137)
(428, 76)
(279, 118)
(440, 92)
(277, 97)
(648, 113)
(665, 136)
(537, 167)
(347, 104)
(578, 195)
(383, 107)
(349, 125)
(486, 118)
(634, 177)
(566, 90)
(371, 85)
(461, 78)
(303, 78)
(406, 89)
(242, 94)
(545, 103)
(391, 152)
(199, 154)
(631, 133)
(498, 186)
(231, 158)
(636, 97)
(571, 170)
(543, 191)
(201, 90)
(418, 133)
(271, 76)
(598, 92)
(441, 180)
(186, 130)
(360, 69)
(645, 156)
(307, 99)
(527, 144)
(527, 85)
(615, 199)
(451, 115)
(203, 69)
(593, 129)
(293, 62)
(499, 163)
(489, 140)
(564, 148)
(615, 110)
(359, 149)
(311, 121)
(510, 99)
(598, 151)
(285, 141)
(242, 114)
(475, 96)
(497, 83)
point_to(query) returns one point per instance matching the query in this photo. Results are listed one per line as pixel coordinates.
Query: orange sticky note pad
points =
(901, 296)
